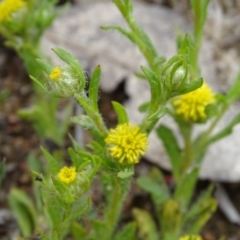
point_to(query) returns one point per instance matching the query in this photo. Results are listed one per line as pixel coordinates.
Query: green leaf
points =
(94, 87)
(24, 211)
(76, 159)
(87, 123)
(184, 190)
(121, 113)
(46, 67)
(34, 163)
(144, 107)
(126, 33)
(126, 173)
(38, 83)
(54, 235)
(155, 185)
(170, 219)
(233, 93)
(100, 230)
(185, 47)
(127, 233)
(73, 62)
(128, 5)
(55, 212)
(198, 208)
(63, 190)
(53, 165)
(148, 43)
(78, 209)
(43, 236)
(77, 146)
(225, 131)
(78, 231)
(146, 225)
(155, 88)
(172, 148)
(197, 83)
(209, 207)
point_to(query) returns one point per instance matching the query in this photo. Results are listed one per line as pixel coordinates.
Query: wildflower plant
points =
(177, 89)
(22, 24)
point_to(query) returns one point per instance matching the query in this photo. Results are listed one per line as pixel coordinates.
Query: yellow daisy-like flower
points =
(55, 74)
(7, 7)
(191, 237)
(191, 106)
(126, 143)
(67, 175)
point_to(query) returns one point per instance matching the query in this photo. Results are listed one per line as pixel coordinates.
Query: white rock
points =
(78, 31)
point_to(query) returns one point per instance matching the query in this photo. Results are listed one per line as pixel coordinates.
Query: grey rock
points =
(79, 32)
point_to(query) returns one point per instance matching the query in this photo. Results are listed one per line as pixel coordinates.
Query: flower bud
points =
(64, 82)
(175, 74)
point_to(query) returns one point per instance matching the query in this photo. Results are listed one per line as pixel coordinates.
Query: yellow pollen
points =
(191, 106)
(126, 143)
(67, 175)
(191, 237)
(55, 74)
(7, 7)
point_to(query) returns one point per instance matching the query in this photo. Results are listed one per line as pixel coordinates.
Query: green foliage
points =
(94, 87)
(73, 62)
(62, 203)
(146, 225)
(155, 185)
(121, 113)
(24, 211)
(53, 164)
(128, 232)
(173, 150)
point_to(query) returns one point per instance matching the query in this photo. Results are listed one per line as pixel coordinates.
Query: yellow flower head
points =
(55, 74)
(126, 143)
(191, 237)
(191, 106)
(67, 175)
(7, 7)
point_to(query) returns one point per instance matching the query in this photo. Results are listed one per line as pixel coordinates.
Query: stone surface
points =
(79, 32)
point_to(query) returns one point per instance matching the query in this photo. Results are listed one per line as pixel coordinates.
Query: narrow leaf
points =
(78, 231)
(172, 148)
(47, 68)
(73, 62)
(146, 225)
(225, 131)
(155, 88)
(121, 113)
(127, 233)
(94, 87)
(185, 188)
(53, 165)
(63, 190)
(23, 210)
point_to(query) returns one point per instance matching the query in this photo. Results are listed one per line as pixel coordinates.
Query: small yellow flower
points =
(67, 175)
(191, 237)
(7, 7)
(126, 143)
(55, 74)
(191, 106)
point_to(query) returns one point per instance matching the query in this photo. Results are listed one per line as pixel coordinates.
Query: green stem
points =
(201, 146)
(113, 210)
(138, 34)
(188, 158)
(92, 113)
